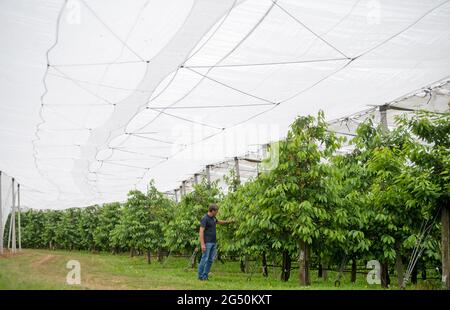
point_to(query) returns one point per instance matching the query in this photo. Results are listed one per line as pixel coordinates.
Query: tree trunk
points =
(399, 268)
(303, 263)
(160, 255)
(244, 264)
(132, 252)
(219, 257)
(325, 274)
(353, 274)
(320, 271)
(414, 275)
(424, 272)
(324, 266)
(149, 256)
(194, 258)
(264, 265)
(445, 247)
(385, 280)
(286, 267)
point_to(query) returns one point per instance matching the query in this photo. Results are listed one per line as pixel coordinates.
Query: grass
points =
(45, 269)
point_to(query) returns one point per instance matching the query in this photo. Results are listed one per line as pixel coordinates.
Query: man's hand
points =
(202, 238)
(226, 222)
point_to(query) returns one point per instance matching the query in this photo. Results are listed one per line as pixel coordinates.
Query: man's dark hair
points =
(213, 207)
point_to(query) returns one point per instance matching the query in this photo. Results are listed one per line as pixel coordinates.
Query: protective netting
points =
(100, 96)
(435, 98)
(6, 197)
(9, 196)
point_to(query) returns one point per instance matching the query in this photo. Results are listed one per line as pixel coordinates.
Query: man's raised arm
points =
(225, 222)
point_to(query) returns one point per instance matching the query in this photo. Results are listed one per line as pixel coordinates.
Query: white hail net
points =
(98, 97)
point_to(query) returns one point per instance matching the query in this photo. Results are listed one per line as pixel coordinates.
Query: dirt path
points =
(44, 260)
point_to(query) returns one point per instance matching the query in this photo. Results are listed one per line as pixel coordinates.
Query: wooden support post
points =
(13, 218)
(176, 195)
(18, 218)
(1, 216)
(181, 192)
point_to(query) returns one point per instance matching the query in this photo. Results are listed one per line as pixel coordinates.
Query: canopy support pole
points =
(1, 216)
(176, 195)
(13, 218)
(183, 186)
(383, 118)
(196, 178)
(18, 219)
(208, 175)
(238, 174)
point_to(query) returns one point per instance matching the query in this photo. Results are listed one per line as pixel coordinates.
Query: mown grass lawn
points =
(44, 269)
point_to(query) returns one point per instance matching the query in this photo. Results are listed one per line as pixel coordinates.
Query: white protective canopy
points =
(98, 97)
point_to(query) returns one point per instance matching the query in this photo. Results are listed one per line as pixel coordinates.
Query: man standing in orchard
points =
(208, 240)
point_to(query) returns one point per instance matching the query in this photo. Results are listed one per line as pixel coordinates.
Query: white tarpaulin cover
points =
(99, 96)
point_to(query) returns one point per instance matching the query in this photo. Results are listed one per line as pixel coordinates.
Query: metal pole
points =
(18, 219)
(1, 216)
(184, 187)
(208, 174)
(383, 118)
(236, 167)
(10, 230)
(265, 154)
(196, 178)
(13, 218)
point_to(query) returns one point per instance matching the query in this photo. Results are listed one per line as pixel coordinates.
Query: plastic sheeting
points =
(98, 97)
